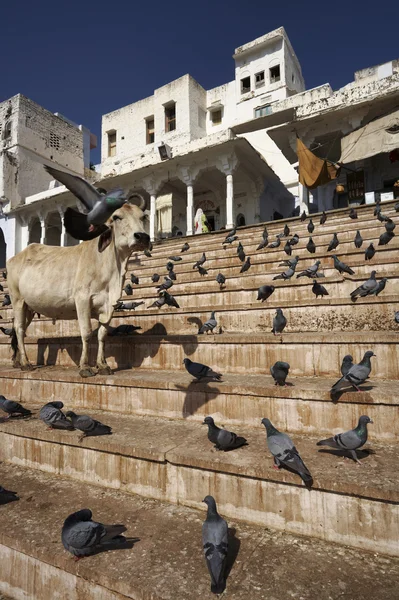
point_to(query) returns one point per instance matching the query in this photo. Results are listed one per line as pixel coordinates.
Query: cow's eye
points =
(116, 218)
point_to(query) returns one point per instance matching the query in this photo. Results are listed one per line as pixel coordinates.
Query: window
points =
(245, 85)
(274, 74)
(55, 140)
(260, 79)
(150, 132)
(170, 117)
(112, 143)
(216, 116)
(262, 111)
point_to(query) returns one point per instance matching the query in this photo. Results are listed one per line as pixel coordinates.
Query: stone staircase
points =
(158, 465)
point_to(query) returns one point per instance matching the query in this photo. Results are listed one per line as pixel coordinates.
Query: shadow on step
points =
(118, 543)
(197, 394)
(233, 550)
(361, 454)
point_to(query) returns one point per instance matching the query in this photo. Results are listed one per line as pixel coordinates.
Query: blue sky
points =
(86, 58)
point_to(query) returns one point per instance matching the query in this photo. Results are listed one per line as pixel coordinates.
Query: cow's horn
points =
(139, 200)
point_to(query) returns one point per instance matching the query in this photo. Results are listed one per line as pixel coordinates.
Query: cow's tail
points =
(14, 344)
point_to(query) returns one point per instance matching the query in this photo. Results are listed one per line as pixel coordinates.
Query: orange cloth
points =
(313, 171)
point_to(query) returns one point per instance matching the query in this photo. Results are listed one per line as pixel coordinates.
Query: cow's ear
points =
(105, 239)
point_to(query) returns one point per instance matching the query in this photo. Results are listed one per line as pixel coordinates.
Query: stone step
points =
(166, 563)
(303, 407)
(174, 461)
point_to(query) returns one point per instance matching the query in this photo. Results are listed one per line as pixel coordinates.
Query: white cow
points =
(83, 282)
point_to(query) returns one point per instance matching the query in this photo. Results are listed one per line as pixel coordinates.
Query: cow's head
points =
(127, 228)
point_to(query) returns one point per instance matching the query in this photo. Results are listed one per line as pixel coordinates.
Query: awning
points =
(381, 135)
(313, 171)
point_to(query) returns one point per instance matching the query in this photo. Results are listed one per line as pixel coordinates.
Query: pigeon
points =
(6, 496)
(310, 271)
(347, 363)
(185, 247)
(353, 213)
(200, 262)
(1, 288)
(166, 285)
(13, 409)
(81, 536)
(246, 265)
(128, 289)
(367, 288)
(209, 325)
(52, 415)
(7, 330)
(265, 291)
(263, 244)
(221, 279)
(311, 246)
(230, 235)
(396, 207)
(147, 253)
(223, 439)
(265, 233)
(291, 262)
(341, 266)
(87, 425)
(323, 218)
(288, 248)
(172, 275)
(159, 302)
(397, 316)
(310, 226)
(294, 240)
(134, 279)
(240, 252)
(122, 330)
(377, 208)
(169, 266)
(279, 372)
(382, 218)
(169, 299)
(215, 544)
(128, 305)
(230, 239)
(275, 244)
(319, 290)
(390, 226)
(356, 375)
(100, 204)
(303, 216)
(279, 322)
(286, 275)
(334, 243)
(286, 230)
(369, 253)
(358, 241)
(199, 371)
(381, 286)
(4, 274)
(285, 454)
(155, 278)
(350, 440)
(385, 238)
(175, 258)
(7, 300)
(202, 271)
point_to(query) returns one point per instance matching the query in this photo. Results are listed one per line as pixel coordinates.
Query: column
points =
(43, 230)
(229, 201)
(24, 236)
(190, 209)
(303, 198)
(64, 235)
(153, 216)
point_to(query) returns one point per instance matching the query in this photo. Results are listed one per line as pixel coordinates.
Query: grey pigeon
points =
(353, 213)
(385, 238)
(230, 239)
(367, 288)
(134, 279)
(377, 208)
(4, 274)
(215, 544)
(209, 325)
(350, 440)
(230, 234)
(358, 241)
(310, 271)
(122, 330)
(172, 275)
(7, 496)
(279, 372)
(100, 205)
(390, 226)
(265, 291)
(175, 258)
(128, 289)
(310, 226)
(128, 305)
(347, 363)
(13, 409)
(286, 275)
(294, 240)
(223, 439)
(369, 252)
(1, 288)
(334, 243)
(166, 285)
(397, 316)
(311, 246)
(319, 290)
(240, 252)
(200, 371)
(200, 262)
(303, 216)
(323, 218)
(7, 330)
(275, 244)
(246, 265)
(265, 233)
(341, 266)
(381, 286)
(81, 536)
(147, 253)
(381, 217)
(158, 303)
(169, 299)
(396, 207)
(290, 262)
(279, 322)
(52, 415)
(356, 374)
(285, 454)
(288, 248)
(169, 266)
(7, 300)
(286, 230)
(263, 244)
(221, 279)
(202, 271)
(87, 425)
(185, 247)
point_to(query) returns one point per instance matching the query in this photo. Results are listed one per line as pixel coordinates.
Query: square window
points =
(216, 116)
(170, 117)
(150, 130)
(259, 79)
(262, 111)
(245, 85)
(112, 143)
(274, 74)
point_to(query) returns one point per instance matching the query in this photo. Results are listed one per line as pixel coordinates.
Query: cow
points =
(83, 282)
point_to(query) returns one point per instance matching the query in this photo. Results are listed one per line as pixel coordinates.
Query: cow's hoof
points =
(105, 370)
(27, 367)
(87, 372)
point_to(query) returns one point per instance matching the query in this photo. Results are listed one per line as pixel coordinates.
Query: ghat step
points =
(166, 564)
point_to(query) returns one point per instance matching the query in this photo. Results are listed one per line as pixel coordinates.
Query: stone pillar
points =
(64, 235)
(153, 216)
(190, 209)
(303, 199)
(229, 201)
(24, 233)
(43, 232)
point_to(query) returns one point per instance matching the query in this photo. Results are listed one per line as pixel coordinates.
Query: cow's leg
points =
(21, 322)
(83, 311)
(103, 368)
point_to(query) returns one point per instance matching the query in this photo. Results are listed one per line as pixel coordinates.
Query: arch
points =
(53, 229)
(3, 249)
(35, 231)
(240, 220)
